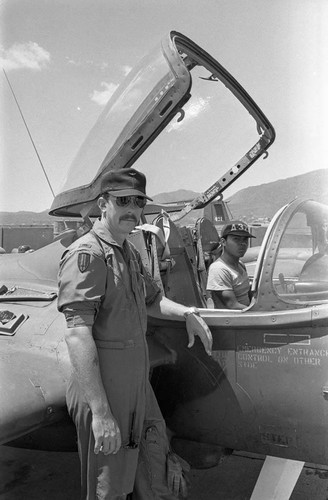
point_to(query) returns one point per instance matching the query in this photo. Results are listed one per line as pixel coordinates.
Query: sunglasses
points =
(124, 201)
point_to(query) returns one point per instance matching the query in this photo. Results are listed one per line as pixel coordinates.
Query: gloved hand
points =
(177, 470)
(196, 326)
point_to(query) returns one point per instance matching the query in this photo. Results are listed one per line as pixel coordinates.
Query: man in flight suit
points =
(105, 294)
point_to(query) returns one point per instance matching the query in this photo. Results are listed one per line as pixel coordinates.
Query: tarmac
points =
(40, 475)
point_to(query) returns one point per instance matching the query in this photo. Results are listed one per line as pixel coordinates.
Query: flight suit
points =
(105, 285)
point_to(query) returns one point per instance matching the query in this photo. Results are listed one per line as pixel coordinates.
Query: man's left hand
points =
(196, 326)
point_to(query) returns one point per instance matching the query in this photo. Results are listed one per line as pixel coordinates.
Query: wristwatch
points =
(191, 310)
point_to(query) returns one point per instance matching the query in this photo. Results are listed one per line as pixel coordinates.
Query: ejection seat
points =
(208, 249)
(208, 241)
(178, 258)
(178, 262)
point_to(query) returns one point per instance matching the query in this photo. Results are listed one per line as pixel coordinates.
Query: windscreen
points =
(146, 84)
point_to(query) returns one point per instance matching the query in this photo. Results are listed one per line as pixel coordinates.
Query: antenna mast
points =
(30, 136)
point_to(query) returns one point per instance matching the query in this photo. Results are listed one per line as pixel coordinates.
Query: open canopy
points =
(207, 122)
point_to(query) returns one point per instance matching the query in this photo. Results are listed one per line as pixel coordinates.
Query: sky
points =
(65, 58)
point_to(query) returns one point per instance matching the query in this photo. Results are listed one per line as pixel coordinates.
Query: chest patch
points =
(83, 261)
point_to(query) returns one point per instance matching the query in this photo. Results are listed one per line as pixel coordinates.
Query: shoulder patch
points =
(83, 261)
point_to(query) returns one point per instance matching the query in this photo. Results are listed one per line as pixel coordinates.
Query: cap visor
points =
(128, 192)
(241, 233)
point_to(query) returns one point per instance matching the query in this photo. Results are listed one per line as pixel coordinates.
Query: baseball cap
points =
(124, 182)
(236, 227)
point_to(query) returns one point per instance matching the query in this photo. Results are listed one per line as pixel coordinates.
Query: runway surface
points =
(40, 475)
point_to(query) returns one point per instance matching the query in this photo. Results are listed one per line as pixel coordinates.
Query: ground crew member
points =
(228, 283)
(105, 294)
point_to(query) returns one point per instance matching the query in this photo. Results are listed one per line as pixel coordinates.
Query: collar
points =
(104, 234)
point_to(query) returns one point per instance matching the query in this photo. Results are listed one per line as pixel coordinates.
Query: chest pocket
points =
(113, 268)
(138, 281)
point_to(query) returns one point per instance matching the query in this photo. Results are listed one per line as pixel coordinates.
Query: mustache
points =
(129, 217)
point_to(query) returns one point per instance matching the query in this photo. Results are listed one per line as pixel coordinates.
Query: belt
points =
(119, 344)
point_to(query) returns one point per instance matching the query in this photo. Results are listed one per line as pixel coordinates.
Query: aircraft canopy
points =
(180, 92)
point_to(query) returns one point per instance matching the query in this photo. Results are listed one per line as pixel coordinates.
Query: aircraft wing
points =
(34, 368)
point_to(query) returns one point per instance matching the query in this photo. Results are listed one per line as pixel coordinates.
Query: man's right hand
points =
(106, 433)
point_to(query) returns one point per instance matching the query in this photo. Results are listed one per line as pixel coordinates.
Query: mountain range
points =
(264, 200)
(253, 202)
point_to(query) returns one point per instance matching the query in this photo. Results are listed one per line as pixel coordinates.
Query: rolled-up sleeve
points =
(81, 287)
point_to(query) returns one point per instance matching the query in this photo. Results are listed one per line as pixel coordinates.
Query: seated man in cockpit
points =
(228, 284)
